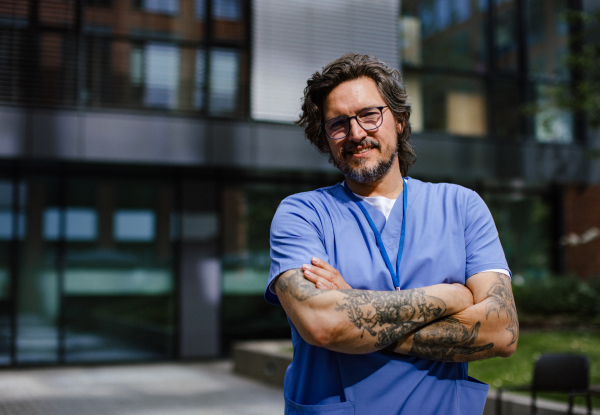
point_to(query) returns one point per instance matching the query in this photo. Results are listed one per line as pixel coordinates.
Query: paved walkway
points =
(148, 389)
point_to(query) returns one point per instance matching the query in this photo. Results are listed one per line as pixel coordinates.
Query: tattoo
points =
(389, 316)
(297, 286)
(444, 339)
(500, 301)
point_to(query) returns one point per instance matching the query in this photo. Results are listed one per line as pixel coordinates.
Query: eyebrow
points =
(357, 112)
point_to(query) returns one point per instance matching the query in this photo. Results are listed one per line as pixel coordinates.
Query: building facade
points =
(145, 145)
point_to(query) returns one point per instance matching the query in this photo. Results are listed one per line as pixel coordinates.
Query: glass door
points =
(118, 276)
(38, 298)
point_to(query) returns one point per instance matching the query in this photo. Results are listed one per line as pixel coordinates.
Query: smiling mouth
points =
(360, 150)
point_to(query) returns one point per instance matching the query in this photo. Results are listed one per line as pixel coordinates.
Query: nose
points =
(356, 133)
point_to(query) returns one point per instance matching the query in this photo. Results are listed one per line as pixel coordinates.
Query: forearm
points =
(487, 329)
(362, 321)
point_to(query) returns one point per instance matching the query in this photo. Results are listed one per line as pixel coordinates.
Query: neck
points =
(389, 186)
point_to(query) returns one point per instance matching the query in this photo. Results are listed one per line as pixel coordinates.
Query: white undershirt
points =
(385, 206)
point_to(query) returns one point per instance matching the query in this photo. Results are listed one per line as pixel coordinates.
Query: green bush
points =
(556, 296)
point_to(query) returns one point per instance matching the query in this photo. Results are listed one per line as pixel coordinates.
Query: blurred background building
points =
(145, 145)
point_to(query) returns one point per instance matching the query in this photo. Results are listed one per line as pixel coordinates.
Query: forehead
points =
(350, 97)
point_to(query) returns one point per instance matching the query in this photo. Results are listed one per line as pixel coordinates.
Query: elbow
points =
(323, 332)
(510, 347)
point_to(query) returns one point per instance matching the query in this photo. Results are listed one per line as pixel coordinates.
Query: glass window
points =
(38, 306)
(524, 223)
(161, 70)
(224, 80)
(118, 287)
(547, 39)
(227, 9)
(199, 79)
(505, 37)
(160, 6)
(456, 105)
(438, 33)
(134, 226)
(551, 124)
(80, 224)
(506, 108)
(200, 7)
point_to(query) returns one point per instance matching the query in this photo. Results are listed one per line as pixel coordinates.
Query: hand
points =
(324, 276)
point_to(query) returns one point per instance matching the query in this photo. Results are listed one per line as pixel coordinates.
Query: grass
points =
(518, 369)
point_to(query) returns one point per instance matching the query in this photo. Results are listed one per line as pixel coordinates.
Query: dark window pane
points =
(505, 37)
(548, 37)
(442, 34)
(456, 105)
(507, 108)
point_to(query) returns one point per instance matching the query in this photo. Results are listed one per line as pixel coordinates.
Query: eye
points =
(370, 113)
(336, 124)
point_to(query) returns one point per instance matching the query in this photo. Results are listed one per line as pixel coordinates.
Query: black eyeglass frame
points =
(358, 122)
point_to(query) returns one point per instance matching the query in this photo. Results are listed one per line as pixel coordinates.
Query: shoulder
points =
(446, 192)
(313, 199)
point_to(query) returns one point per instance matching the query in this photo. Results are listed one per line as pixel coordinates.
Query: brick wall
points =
(582, 230)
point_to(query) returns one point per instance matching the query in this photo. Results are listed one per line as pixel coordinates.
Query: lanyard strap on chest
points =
(380, 245)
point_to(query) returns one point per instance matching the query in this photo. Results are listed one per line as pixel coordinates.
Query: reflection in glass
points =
(442, 34)
(118, 287)
(37, 339)
(505, 37)
(551, 124)
(224, 80)
(455, 105)
(523, 223)
(547, 38)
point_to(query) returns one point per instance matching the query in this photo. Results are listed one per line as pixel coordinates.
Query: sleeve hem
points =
(485, 267)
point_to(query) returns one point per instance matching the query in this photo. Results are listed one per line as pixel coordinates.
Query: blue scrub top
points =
(450, 235)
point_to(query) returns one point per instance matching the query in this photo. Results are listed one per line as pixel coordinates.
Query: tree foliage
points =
(582, 94)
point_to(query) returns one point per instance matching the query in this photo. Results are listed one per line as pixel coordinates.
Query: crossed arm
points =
(447, 322)
(363, 321)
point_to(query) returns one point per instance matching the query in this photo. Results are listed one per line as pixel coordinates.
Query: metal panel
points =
(12, 132)
(293, 39)
(284, 147)
(144, 138)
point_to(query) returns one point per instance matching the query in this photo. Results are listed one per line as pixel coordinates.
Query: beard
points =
(363, 174)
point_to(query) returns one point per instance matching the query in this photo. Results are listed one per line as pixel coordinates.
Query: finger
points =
(319, 272)
(318, 281)
(324, 285)
(324, 265)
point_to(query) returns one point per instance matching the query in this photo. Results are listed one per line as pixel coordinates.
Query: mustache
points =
(365, 142)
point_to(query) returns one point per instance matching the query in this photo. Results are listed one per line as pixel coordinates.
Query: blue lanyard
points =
(386, 258)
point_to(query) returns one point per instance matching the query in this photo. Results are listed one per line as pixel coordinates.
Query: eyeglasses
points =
(369, 119)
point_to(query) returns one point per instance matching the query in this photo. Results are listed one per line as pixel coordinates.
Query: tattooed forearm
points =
(297, 286)
(390, 315)
(500, 301)
(445, 339)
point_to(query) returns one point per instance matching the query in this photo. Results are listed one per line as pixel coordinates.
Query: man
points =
(390, 284)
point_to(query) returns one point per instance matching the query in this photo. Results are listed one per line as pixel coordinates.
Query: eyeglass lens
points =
(368, 119)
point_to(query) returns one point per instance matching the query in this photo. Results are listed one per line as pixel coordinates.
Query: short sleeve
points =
(482, 243)
(297, 235)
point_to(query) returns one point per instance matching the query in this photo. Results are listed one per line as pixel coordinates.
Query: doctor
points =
(390, 284)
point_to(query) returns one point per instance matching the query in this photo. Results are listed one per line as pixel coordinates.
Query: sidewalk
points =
(146, 389)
